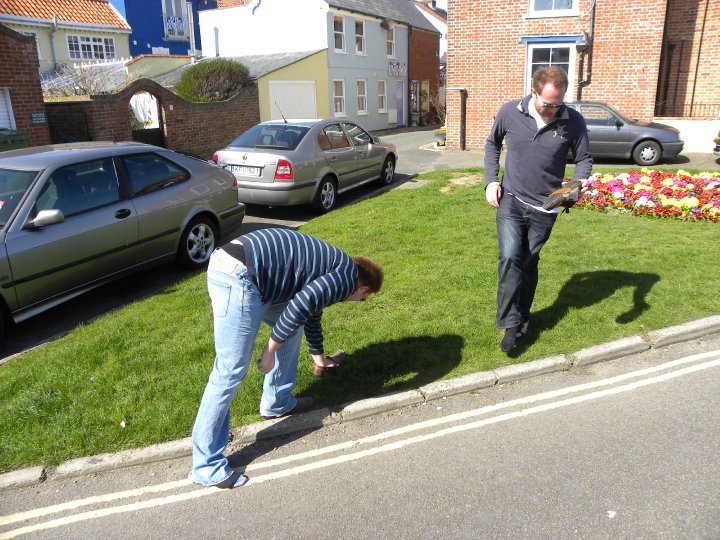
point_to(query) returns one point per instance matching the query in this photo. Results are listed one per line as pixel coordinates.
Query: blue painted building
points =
(162, 26)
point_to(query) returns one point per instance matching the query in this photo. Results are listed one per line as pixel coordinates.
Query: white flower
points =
(123, 424)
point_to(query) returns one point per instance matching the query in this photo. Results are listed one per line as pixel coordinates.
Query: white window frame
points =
(339, 99)
(382, 96)
(37, 41)
(361, 88)
(175, 24)
(571, 64)
(390, 42)
(5, 98)
(573, 11)
(93, 42)
(340, 33)
(360, 38)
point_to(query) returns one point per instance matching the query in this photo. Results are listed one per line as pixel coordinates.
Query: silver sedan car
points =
(74, 216)
(280, 163)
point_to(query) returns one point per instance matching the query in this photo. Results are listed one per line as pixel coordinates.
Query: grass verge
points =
(144, 367)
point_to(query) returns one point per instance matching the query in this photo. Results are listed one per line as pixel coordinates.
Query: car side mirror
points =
(46, 217)
(376, 140)
(619, 123)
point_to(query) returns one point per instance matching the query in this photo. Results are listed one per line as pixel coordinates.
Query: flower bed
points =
(656, 194)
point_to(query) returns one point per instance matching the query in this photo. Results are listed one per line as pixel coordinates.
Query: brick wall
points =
(486, 58)
(690, 67)
(424, 58)
(194, 128)
(232, 3)
(19, 73)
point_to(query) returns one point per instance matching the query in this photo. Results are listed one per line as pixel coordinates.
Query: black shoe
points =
(509, 339)
(303, 404)
(523, 329)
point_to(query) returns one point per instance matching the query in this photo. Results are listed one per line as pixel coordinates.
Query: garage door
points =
(294, 99)
(7, 120)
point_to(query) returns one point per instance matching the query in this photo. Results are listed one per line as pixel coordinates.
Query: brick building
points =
(21, 100)
(647, 62)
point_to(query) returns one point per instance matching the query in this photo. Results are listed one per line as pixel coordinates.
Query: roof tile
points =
(83, 11)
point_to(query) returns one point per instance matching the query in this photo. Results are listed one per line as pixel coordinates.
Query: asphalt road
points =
(417, 153)
(622, 449)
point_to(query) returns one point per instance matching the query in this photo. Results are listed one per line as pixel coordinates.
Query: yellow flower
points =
(667, 182)
(689, 202)
(645, 180)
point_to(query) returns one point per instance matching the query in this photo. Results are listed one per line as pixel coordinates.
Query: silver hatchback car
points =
(74, 216)
(288, 162)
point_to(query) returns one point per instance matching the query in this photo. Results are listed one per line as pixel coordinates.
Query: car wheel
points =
(387, 175)
(326, 196)
(197, 242)
(647, 153)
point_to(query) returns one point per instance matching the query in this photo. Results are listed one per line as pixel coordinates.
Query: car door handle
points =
(122, 214)
(333, 159)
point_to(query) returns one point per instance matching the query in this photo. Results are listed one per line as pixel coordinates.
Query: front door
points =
(400, 102)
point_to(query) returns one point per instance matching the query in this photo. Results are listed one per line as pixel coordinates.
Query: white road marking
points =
(4, 520)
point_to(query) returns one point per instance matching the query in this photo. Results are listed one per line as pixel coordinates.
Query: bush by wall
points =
(213, 80)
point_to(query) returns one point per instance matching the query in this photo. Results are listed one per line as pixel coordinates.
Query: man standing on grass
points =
(539, 131)
(286, 279)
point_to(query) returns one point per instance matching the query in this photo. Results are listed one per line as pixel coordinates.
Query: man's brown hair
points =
(370, 273)
(553, 74)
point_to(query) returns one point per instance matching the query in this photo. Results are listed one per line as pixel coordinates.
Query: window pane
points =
(80, 187)
(541, 56)
(560, 56)
(150, 172)
(337, 137)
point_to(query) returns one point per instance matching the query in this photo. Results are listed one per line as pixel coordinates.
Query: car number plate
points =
(245, 170)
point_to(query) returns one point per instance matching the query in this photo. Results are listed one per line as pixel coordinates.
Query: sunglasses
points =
(549, 105)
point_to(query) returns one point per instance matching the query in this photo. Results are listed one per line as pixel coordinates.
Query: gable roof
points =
(402, 11)
(90, 12)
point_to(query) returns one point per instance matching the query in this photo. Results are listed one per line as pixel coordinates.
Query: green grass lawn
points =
(602, 277)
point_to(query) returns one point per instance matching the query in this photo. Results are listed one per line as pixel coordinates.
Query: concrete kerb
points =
(367, 407)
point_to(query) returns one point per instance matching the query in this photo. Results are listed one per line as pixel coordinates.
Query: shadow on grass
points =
(585, 290)
(369, 372)
(389, 367)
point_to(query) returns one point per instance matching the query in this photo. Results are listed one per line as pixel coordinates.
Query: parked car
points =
(74, 216)
(716, 151)
(305, 161)
(614, 135)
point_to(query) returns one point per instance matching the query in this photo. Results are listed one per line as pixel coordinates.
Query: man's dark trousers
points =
(522, 232)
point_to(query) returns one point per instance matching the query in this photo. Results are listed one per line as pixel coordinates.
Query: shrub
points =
(213, 80)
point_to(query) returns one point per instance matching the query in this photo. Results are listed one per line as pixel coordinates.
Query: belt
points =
(236, 251)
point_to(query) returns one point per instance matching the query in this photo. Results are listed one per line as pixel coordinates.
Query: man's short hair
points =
(370, 273)
(553, 74)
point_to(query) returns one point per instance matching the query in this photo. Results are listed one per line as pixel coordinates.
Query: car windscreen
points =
(13, 185)
(276, 136)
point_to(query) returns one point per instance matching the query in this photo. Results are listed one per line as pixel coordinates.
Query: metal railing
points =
(687, 110)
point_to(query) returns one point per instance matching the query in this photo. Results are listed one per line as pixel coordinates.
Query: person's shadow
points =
(584, 290)
(377, 369)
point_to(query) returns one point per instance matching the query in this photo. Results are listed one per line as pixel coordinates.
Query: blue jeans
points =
(238, 311)
(522, 232)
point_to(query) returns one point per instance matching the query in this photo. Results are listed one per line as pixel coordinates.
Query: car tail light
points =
(283, 171)
(215, 158)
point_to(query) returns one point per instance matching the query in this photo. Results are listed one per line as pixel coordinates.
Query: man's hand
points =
(267, 361)
(493, 194)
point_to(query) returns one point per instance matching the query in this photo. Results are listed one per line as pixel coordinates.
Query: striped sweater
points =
(307, 273)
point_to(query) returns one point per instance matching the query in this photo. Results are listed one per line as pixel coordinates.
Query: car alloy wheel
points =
(325, 196)
(197, 243)
(388, 171)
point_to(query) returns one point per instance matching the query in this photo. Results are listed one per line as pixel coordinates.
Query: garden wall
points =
(20, 77)
(198, 129)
